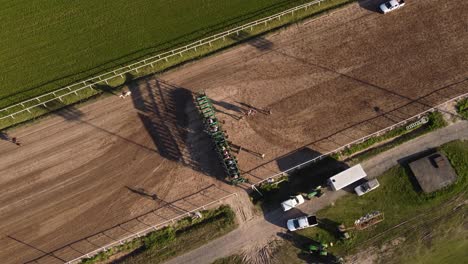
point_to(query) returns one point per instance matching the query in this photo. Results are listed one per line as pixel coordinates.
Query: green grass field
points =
(46, 44)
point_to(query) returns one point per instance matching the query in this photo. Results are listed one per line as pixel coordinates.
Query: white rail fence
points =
(360, 140)
(147, 230)
(105, 78)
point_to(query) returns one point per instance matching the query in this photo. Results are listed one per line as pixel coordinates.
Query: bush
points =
(462, 108)
(436, 120)
(159, 238)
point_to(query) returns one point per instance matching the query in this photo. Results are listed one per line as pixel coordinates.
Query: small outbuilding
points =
(433, 172)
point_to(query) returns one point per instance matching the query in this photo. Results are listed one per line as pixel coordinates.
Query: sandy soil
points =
(93, 174)
(335, 79)
(89, 175)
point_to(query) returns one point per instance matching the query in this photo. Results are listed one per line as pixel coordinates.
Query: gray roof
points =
(433, 172)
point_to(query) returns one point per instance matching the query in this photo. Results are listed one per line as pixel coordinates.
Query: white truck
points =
(293, 202)
(366, 187)
(391, 5)
(302, 222)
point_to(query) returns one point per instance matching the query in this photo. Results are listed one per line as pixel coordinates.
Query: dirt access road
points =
(92, 174)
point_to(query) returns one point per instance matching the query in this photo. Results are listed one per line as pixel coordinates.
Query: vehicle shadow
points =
(371, 5)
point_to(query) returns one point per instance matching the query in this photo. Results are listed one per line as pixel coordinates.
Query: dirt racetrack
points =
(91, 174)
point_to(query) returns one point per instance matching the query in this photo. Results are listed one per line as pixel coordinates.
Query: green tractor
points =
(316, 192)
(319, 249)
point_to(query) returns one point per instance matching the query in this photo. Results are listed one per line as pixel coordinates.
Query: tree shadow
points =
(171, 118)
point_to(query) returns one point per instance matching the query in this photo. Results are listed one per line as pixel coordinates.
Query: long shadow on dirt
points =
(170, 116)
(73, 114)
(121, 226)
(259, 42)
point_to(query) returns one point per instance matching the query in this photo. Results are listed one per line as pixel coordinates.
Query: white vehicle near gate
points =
(366, 187)
(293, 202)
(391, 5)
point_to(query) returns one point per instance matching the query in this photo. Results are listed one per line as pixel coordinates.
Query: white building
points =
(345, 178)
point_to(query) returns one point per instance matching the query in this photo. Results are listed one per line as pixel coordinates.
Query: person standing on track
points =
(16, 141)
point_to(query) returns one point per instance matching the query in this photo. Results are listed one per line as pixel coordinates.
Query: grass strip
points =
(163, 244)
(399, 135)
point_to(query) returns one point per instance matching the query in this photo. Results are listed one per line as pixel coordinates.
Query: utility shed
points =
(345, 178)
(433, 172)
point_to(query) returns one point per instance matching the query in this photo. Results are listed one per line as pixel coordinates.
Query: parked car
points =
(302, 222)
(366, 187)
(293, 202)
(391, 5)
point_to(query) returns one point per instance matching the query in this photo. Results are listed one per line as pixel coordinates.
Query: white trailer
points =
(347, 177)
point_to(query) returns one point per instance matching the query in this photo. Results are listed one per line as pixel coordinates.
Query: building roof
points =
(433, 172)
(347, 177)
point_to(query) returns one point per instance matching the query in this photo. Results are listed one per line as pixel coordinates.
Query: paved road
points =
(259, 230)
(378, 164)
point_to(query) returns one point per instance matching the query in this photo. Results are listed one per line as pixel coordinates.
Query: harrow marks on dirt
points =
(212, 127)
